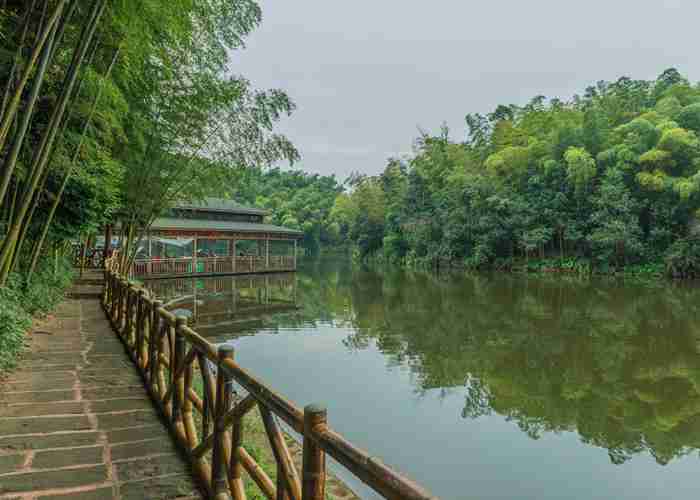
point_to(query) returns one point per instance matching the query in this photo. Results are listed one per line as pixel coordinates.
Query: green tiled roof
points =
(221, 205)
(220, 225)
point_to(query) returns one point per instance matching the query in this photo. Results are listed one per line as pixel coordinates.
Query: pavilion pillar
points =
(149, 267)
(267, 253)
(233, 294)
(194, 254)
(294, 266)
(233, 255)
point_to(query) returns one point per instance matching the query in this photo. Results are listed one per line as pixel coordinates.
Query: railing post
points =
(130, 302)
(121, 310)
(223, 404)
(178, 379)
(153, 345)
(314, 459)
(140, 325)
(114, 299)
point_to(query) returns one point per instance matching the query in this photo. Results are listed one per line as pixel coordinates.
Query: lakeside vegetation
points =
(607, 180)
(19, 304)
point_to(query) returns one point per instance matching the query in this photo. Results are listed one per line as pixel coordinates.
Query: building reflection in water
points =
(221, 305)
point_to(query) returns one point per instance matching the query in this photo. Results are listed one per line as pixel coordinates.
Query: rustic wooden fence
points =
(175, 361)
(212, 265)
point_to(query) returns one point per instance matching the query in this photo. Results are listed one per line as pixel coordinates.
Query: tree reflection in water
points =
(617, 362)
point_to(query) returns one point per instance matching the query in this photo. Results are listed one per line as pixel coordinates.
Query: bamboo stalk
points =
(47, 139)
(11, 160)
(57, 199)
(13, 104)
(16, 59)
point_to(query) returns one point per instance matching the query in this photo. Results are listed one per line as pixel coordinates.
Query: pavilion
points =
(215, 237)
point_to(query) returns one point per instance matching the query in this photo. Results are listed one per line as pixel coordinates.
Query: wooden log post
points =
(223, 403)
(236, 467)
(314, 459)
(177, 379)
(140, 324)
(123, 306)
(114, 298)
(153, 345)
(130, 313)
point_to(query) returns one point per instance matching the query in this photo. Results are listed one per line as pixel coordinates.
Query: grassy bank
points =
(257, 444)
(21, 301)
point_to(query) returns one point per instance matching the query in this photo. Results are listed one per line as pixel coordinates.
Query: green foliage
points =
(682, 259)
(580, 167)
(689, 117)
(295, 199)
(21, 301)
(610, 179)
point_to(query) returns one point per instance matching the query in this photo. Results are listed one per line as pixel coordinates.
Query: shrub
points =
(682, 259)
(20, 301)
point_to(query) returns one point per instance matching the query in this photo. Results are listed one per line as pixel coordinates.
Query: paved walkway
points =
(75, 420)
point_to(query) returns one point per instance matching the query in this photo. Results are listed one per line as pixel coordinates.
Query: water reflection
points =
(225, 304)
(616, 363)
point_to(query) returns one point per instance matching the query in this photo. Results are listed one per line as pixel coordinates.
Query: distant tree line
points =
(295, 199)
(606, 180)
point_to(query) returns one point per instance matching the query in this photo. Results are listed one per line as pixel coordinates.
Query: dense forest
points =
(295, 199)
(608, 179)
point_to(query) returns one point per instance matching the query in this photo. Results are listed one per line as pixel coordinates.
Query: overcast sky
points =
(366, 74)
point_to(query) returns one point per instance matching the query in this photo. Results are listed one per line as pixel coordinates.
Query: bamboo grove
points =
(605, 181)
(113, 110)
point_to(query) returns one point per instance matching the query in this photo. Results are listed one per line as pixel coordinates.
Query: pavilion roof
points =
(221, 205)
(171, 223)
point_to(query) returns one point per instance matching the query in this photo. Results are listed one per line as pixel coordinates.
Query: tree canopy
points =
(115, 110)
(609, 178)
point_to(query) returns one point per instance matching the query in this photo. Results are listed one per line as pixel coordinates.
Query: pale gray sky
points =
(365, 74)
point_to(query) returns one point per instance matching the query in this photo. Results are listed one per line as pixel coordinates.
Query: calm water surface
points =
(483, 387)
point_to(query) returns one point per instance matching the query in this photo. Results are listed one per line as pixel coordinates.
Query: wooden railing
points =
(212, 265)
(174, 360)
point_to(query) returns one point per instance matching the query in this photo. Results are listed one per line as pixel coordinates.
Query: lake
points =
(479, 386)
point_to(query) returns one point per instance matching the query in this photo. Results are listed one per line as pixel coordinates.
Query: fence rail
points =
(213, 265)
(172, 359)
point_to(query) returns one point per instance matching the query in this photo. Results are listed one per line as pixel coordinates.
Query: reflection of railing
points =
(212, 265)
(167, 353)
(218, 284)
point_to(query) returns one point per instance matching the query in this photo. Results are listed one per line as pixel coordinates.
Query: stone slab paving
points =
(75, 420)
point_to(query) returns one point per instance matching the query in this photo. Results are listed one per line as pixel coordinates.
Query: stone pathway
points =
(75, 420)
